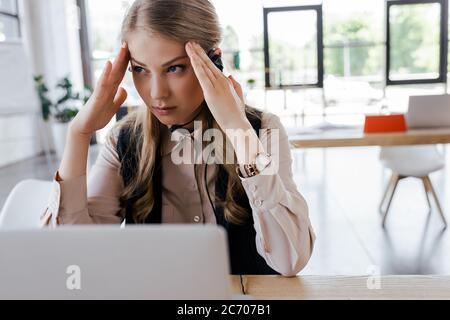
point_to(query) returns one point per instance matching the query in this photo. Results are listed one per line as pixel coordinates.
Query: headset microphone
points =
(178, 126)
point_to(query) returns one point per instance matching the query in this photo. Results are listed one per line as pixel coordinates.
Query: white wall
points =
(51, 44)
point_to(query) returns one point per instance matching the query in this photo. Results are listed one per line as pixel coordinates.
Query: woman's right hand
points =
(106, 98)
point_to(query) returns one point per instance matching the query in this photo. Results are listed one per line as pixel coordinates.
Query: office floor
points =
(343, 187)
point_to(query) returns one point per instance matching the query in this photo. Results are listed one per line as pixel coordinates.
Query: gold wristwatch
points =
(262, 161)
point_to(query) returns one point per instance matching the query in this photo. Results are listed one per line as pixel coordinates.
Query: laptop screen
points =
(431, 111)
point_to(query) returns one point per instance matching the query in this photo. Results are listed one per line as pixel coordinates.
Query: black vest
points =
(241, 238)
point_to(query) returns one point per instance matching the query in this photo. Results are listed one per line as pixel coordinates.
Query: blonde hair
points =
(181, 20)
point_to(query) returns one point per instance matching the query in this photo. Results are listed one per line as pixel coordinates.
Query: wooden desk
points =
(343, 287)
(356, 137)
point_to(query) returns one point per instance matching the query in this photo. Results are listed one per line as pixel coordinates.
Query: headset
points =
(216, 59)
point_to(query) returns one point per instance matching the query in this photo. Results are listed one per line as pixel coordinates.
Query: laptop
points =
(431, 111)
(106, 262)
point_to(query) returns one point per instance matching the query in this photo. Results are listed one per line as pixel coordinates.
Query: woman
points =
(137, 177)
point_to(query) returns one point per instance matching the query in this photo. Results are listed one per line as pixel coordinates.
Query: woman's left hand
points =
(223, 95)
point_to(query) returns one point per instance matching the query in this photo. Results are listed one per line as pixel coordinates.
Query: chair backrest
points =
(413, 153)
(425, 111)
(25, 205)
(428, 111)
(412, 161)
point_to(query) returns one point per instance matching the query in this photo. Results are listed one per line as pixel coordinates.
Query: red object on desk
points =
(385, 123)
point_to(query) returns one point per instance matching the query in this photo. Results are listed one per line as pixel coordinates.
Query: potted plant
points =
(46, 105)
(63, 110)
(42, 92)
(251, 83)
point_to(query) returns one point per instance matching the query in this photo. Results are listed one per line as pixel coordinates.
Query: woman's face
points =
(164, 77)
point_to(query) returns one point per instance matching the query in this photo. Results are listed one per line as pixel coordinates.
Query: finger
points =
(237, 87)
(120, 65)
(119, 99)
(207, 61)
(208, 72)
(201, 65)
(238, 97)
(103, 80)
(102, 87)
(202, 76)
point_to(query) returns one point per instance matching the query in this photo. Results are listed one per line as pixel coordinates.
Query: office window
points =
(242, 40)
(353, 53)
(9, 20)
(416, 49)
(293, 46)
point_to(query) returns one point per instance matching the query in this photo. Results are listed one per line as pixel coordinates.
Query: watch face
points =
(262, 161)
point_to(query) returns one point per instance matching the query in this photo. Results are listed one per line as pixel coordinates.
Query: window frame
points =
(319, 27)
(85, 51)
(443, 42)
(15, 16)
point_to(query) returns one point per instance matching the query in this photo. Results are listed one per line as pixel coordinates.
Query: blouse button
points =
(253, 187)
(196, 219)
(258, 203)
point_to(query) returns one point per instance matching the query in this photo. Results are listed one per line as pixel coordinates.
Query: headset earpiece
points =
(215, 59)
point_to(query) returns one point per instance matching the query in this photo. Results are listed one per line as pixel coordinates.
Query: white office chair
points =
(426, 111)
(25, 205)
(411, 161)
